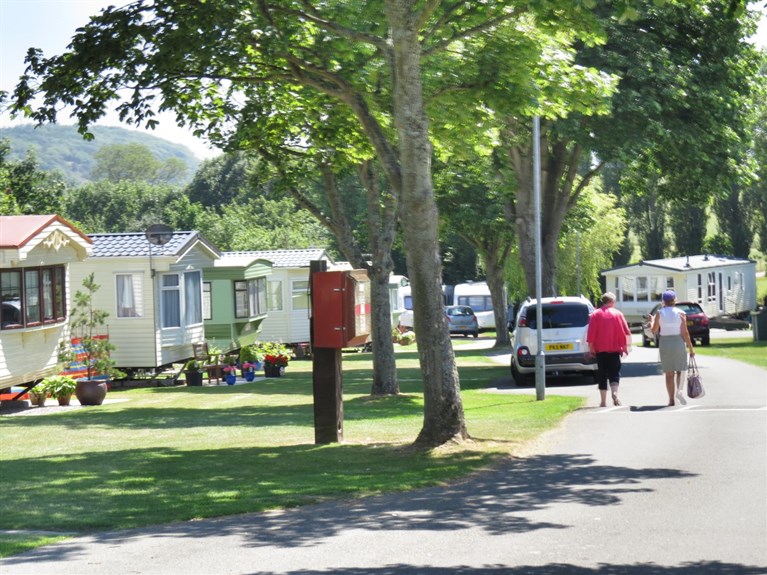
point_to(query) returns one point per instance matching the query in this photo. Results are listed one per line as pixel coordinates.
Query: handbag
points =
(695, 388)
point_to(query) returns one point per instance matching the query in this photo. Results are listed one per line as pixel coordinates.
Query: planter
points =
(193, 378)
(36, 399)
(230, 378)
(272, 370)
(249, 375)
(91, 391)
(65, 399)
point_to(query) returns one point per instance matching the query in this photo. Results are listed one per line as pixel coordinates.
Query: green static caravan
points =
(235, 299)
(37, 253)
(153, 294)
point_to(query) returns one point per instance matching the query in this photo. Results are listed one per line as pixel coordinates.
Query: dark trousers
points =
(608, 368)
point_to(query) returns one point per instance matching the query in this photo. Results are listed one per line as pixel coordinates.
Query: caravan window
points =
(274, 295)
(177, 292)
(476, 302)
(128, 290)
(32, 297)
(300, 294)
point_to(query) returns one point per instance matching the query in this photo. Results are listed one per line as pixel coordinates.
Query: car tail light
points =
(522, 322)
(523, 351)
(704, 320)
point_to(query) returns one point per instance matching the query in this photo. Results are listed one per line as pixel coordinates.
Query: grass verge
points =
(746, 350)
(172, 454)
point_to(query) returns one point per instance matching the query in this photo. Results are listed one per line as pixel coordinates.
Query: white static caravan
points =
(153, 294)
(399, 297)
(477, 296)
(287, 293)
(722, 285)
(36, 254)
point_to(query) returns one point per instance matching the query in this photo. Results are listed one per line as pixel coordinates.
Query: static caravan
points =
(234, 299)
(399, 296)
(153, 294)
(477, 296)
(287, 293)
(722, 285)
(36, 255)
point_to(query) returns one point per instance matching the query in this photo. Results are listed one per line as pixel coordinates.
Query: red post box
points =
(340, 308)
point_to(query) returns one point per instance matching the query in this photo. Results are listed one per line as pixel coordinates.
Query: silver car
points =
(461, 319)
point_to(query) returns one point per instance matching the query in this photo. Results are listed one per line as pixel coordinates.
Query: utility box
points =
(340, 308)
(759, 324)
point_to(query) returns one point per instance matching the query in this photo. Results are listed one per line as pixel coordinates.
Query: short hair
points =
(608, 297)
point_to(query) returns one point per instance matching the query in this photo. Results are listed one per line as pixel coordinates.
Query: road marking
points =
(665, 408)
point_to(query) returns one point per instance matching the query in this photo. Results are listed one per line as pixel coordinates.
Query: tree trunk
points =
(494, 275)
(443, 409)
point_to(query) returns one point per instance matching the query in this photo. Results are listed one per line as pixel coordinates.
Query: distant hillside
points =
(62, 148)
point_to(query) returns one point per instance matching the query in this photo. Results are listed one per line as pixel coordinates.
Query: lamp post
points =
(540, 358)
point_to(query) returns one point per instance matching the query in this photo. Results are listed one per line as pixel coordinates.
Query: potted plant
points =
(251, 360)
(276, 358)
(230, 373)
(193, 372)
(38, 394)
(87, 324)
(60, 387)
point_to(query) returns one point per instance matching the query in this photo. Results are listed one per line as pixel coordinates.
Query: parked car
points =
(697, 324)
(461, 318)
(565, 322)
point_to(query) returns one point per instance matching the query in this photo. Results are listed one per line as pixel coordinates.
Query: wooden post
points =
(327, 382)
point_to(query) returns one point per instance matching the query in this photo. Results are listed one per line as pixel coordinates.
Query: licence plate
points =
(558, 346)
(690, 322)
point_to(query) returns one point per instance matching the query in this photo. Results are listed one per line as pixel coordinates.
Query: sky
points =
(50, 24)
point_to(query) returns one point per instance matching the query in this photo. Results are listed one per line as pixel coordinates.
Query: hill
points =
(62, 148)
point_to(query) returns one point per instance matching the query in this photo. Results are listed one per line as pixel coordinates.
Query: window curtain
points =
(126, 297)
(192, 298)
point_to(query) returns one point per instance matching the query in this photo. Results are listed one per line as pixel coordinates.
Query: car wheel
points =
(519, 379)
(476, 334)
(705, 340)
(645, 341)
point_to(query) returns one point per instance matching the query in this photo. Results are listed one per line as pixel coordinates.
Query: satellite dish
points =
(159, 234)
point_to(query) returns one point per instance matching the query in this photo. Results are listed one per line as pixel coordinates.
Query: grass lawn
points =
(171, 454)
(743, 349)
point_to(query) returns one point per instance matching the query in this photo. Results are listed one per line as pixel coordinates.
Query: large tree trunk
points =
(381, 217)
(443, 409)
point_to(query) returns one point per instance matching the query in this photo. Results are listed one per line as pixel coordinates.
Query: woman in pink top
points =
(608, 336)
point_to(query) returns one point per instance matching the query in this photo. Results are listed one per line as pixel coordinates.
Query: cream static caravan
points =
(722, 285)
(36, 256)
(153, 294)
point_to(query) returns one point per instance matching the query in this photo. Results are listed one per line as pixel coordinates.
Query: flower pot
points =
(65, 399)
(91, 391)
(193, 378)
(37, 399)
(271, 370)
(250, 375)
(231, 378)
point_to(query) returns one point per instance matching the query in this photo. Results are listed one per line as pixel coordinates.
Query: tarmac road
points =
(640, 489)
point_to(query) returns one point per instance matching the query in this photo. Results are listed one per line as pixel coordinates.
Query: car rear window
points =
(558, 315)
(689, 308)
(459, 311)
